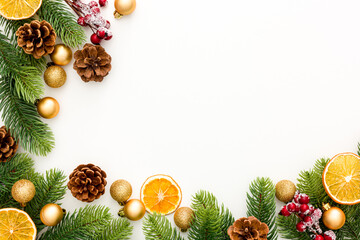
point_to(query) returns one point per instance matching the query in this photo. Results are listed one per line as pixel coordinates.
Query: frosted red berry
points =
(301, 227)
(319, 237)
(108, 36)
(81, 21)
(304, 199)
(102, 3)
(87, 18)
(308, 220)
(93, 4)
(95, 10)
(285, 212)
(304, 208)
(95, 39)
(101, 33)
(107, 25)
(291, 207)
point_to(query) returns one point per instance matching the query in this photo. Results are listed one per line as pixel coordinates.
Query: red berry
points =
(291, 207)
(319, 237)
(95, 10)
(87, 18)
(302, 216)
(93, 4)
(285, 212)
(107, 25)
(108, 35)
(81, 21)
(304, 208)
(308, 220)
(304, 199)
(301, 227)
(101, 33)
(311, 209)
(102, 3)
(95, 39)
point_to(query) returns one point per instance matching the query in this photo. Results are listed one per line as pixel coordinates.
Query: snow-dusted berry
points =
(95, 39)
(103, 3)
(301, 227)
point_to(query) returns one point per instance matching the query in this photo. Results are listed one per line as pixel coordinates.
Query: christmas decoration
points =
(183, 218)
(87, 182)
(8, 145)
(134, 210)
(124, 7)
(333, 218)
(21, 9)
(55, 76)
(92, 63)
(51, 214)
(36, 38)
(61, 55)
(340, 178)
(285, 190)
(16, 225)
(166, 201)
(121, 191)
(48, 107)
(248, 228)
(23, 191)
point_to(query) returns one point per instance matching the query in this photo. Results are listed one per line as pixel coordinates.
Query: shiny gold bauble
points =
(23, 191)
(55, 76)
(285, 191)
(51, 214)
(124, 7)
(333, 218)
(183, 218)
(121, 191)
(48, 107)
(134, 210)
(61, 55)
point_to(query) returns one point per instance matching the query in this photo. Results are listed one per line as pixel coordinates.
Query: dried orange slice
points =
(160, 193)
(341, 178)
(16, 225)
(19, 9)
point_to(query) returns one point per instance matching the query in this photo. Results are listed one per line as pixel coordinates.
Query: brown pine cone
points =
(92, 63)
(36, 38)
(8, 146)
(87, 182)
(248, 229)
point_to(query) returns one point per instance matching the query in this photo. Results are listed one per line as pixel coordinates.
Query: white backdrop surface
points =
(214, 93)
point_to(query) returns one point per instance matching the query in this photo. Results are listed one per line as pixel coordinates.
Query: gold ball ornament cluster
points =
(23, 191)
(124, 7)
(134, 210)
(61, 55)
(285, 191)
(48, 107)
(121, 191)
(333, 217)
(51, 214)
(55, 76)
(183, 218)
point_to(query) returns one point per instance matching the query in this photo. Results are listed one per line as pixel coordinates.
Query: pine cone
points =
(248, 229)
(8, 145)
(92, 63)
(36, 38)
(87, 182)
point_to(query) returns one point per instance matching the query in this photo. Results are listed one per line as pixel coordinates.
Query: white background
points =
(214, 93)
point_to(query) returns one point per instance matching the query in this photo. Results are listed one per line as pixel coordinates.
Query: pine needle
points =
(117, 229)
(157, 227)
(287, 228)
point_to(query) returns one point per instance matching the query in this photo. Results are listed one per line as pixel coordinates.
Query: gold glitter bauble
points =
(183, 218)
(333, 217)
(51, 214)
(55, 76)
(134, 210)
(48, 107)
(285, 190)
(121, 191)
(124, 7)
(61, 55)
(23, 191)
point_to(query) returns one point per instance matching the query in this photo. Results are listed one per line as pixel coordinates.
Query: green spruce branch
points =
(261, 203)
(287, 229)
(117, 229)
(158, 227)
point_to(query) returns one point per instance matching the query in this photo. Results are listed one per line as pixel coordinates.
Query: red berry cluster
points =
(308, 215)
(89, 15)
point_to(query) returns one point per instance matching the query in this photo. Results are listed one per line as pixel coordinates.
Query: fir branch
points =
(83, 224)
(261, 203)
(287, 228)
(310, 183)
(11, 26)
(157, 227)
(117, 229)
(20, 116)
(58, 14)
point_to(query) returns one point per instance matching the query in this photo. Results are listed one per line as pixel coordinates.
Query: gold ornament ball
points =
(48, 107)
(23, 191)
(183, 218)
(285, 190)
(124, 7)
(55, 76)
(51, 214)
(134, 210)
(61, 55)
(333, 218)
(121, 191)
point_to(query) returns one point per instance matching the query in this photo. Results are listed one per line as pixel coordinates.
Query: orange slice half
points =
(341, 178)
(16, 225)
(160, 193)
(19, 9)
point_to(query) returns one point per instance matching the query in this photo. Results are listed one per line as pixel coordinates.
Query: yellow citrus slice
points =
(160, 193)
(19, 9)
(16, 225)
(341, 178)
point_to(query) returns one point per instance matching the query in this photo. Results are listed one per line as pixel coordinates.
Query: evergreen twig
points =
(117, 229)
(157, 227)
(287, 229)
